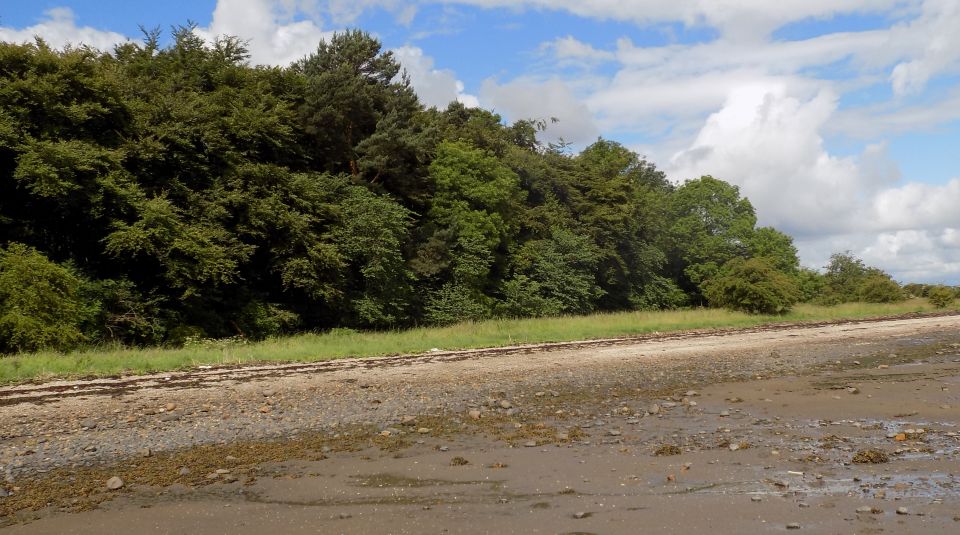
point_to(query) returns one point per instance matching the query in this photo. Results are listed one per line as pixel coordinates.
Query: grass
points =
(109, 361)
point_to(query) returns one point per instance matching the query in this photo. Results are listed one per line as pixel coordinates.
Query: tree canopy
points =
(152, 193)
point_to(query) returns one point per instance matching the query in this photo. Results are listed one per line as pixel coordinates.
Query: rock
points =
(734, 447)
(504, 404)
(184, 471)
(268, 393)
(614, 432)
(475, 414)
(530, 444)
(903, 511)
(170, 407)
(853, 390)
(423, 430)
(654, 409)
(883, 367)
(444, 448)
(724, 413)
(408, 420)
(756, 499)
(540, 394)
(114, 483)
(222, 471)
(90, 448)
(868, 510)
(145, 452)
(170, 417)
(264, 409)
(88, 424)
(871, 456)
(691, 393)
(793, 525)
(582, 514)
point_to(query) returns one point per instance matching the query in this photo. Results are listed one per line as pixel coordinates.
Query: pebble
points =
(170, 406)
(867, 510)
(531, 444)
(725, 413)
(756, 499)
(903, 511)
(184, 471)
(423, 430)
(504, 404)
(114, 483)
(145, 452)
(88, 424)
(581, 514)
(654, 409)
(475, 414)
(793, 525)
(853, 390)
(614, 432)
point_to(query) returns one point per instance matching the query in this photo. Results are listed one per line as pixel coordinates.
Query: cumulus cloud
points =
(59, 29)
(527, 98)
(435, 87)
(274, 34)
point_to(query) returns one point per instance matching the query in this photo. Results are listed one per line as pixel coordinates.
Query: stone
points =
(88, 424)
(614, 432)
(268, 393)
(853, 390)
(114, 483)
(724, 413)
(408, 420)
(793, 525)
(170, 407)
(170, 417)
(581, 514)
(530, 444)
(903, 511)
(184, 471)
(423, 430)
(756, 499)
(504, 404)
(475, 414)
(145, 452)
(654, 409)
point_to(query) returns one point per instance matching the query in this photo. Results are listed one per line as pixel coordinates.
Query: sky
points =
(838, 119)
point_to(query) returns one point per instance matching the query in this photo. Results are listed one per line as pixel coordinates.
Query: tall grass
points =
(106, 361)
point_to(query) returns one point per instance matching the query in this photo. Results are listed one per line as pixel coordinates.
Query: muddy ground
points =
(849, 428)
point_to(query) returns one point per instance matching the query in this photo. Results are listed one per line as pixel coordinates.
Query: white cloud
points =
(528, 98)
(59, 29)
(435, 87)
(275, 37)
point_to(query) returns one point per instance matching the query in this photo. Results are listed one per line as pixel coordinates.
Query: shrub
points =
(941, 296)
(454, 303)
(41, 302)
(752, 286)
(880, 289)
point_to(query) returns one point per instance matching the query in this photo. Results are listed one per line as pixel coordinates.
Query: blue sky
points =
(838, 119)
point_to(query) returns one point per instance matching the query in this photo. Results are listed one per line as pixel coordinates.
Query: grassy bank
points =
(338, 344)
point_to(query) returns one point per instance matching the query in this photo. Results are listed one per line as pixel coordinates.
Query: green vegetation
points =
(341, 343)
(155, 196)
(941, 296)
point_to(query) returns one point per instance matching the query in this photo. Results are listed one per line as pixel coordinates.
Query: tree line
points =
(153, 193)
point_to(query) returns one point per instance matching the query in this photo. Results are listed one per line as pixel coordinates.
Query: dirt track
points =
(366, 446)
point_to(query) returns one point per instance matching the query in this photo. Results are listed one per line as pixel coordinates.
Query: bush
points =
(752, 286)
(454, 303)
(880, 289)
(941, 296)
(41, 302)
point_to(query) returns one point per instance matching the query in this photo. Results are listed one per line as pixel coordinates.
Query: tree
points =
(712, 225)
(941, 296)
(553, 276)
(753, 286)
(880, 288)
(41, 303)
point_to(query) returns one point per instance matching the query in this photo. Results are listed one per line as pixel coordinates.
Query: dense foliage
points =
(152, 194)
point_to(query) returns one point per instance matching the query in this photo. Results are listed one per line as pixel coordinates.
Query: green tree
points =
(41, 303)
(941, 296)
(712, 225)
(752, 285)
